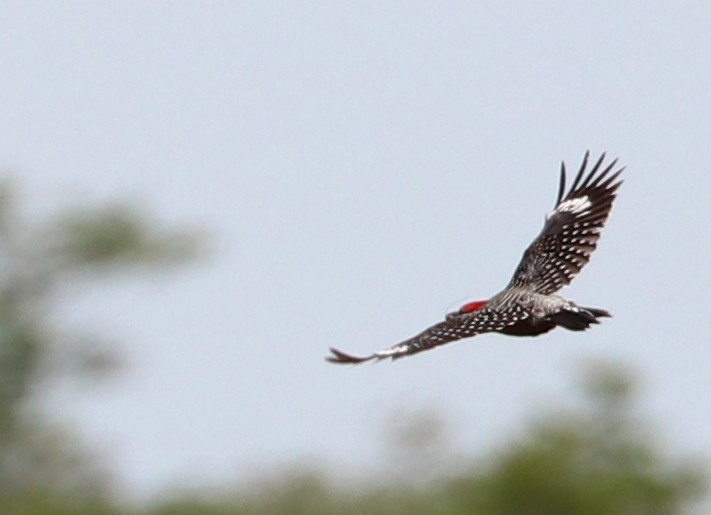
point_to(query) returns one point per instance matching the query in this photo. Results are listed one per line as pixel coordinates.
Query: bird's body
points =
(528, 305)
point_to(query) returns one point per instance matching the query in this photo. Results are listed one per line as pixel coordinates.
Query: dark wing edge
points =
(455, 327)
(341, 358)
(572, 230)
(433, 336)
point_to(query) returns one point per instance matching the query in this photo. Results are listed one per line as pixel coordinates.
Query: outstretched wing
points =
(455, 327)
(571, 231)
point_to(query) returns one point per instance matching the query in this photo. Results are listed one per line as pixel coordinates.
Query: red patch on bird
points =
(472, 306)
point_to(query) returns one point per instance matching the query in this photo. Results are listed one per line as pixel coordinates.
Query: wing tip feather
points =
(592, 179)
(341, 358)
(561, 184)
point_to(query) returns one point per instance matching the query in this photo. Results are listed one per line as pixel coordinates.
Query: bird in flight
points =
(528, 306)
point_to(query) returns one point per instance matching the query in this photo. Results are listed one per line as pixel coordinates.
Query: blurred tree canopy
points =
(598, 459)
(42, 262)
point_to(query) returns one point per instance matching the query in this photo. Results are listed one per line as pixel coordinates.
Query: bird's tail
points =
(579, 318)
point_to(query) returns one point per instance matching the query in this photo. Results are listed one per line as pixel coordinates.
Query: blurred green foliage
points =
(600, 458)
(43, 263)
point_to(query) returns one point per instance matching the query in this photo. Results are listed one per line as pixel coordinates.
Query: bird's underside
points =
(528, 306)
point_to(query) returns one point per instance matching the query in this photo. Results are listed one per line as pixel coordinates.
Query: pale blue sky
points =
(361, 165)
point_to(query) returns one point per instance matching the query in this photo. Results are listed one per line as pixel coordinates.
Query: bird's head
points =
(462, 307)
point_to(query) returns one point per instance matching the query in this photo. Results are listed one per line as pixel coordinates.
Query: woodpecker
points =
(528, 305)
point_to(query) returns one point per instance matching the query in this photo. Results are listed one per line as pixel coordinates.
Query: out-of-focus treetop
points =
(41, 263)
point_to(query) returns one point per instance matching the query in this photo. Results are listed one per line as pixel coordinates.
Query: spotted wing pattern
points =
(571, 231)
(456, 327)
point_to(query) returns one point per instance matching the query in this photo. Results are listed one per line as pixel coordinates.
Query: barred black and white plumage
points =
(528, 306)
(571, 230)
